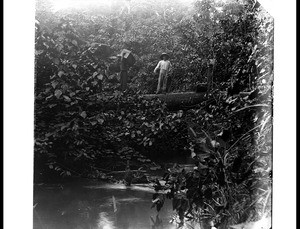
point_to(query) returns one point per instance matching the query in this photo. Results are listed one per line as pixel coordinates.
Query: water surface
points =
(94, 205)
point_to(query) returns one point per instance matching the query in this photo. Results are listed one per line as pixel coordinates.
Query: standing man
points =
(123, 73)
(164, 65)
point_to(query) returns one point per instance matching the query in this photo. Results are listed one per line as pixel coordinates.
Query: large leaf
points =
(83, 114)
(67, 98)
(57, 93)
(54, 84)
(60, 73)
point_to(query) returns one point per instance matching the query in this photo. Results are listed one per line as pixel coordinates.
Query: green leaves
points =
(57, 62)
(74, 42)
(54, 84)
(57, 93)
(83, 114)
(100, 120)
(67, 98)
(60, 73)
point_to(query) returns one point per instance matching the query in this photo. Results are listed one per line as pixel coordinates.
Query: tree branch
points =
(256, 105)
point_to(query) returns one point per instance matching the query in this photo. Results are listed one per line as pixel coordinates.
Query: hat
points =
(164, 54)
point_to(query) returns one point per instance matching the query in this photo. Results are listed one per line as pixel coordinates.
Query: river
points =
(87, 204)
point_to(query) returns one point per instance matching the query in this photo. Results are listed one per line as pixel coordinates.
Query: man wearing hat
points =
(164, 65)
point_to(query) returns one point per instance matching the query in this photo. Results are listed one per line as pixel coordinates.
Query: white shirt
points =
(163, 65)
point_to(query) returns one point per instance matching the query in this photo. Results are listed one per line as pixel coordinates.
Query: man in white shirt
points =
(164, 65)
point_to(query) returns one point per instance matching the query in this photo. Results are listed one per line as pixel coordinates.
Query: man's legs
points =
(165, 81)
(123, 79)
(169, 82)
(160, 80)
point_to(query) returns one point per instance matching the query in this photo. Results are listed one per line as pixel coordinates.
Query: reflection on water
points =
(104, 221)
(94, 206)
(137, 187)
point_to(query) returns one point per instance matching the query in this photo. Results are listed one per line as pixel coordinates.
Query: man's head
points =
(164, 56)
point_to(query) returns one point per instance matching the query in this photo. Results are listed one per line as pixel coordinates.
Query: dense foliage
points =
(84, 124)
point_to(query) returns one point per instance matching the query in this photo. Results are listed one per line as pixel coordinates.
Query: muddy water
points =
(92, 205)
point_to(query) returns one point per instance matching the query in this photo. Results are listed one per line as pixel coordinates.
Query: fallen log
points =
(126, 171)
(174, 101)
(178, 100)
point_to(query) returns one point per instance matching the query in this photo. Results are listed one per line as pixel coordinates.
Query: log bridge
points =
(178, 100)
(183, 100)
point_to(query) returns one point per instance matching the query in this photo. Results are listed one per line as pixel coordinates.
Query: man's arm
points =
(157, 67)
